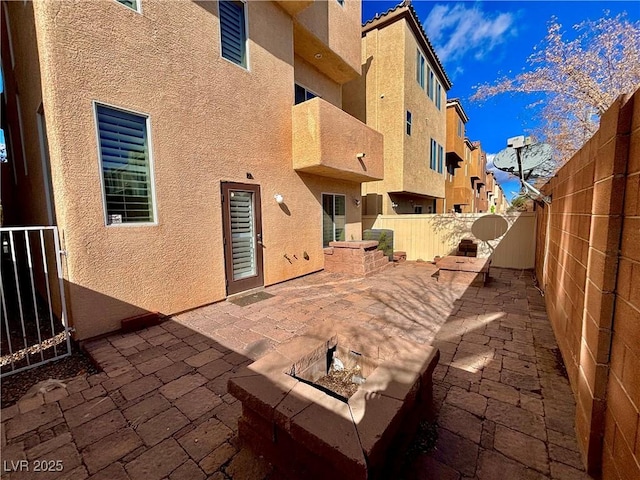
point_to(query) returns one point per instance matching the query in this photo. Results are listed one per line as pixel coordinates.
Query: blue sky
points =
(479, 42)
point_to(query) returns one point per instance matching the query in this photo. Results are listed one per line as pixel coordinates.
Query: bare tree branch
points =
(580, 78)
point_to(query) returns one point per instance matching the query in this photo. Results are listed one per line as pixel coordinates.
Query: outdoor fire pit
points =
(315, 417)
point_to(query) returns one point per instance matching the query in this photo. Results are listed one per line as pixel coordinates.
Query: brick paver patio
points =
(160, 408)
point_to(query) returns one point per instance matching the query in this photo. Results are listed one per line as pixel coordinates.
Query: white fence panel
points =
(509, 239)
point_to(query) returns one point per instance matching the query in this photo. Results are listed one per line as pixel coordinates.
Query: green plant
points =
(385, 245)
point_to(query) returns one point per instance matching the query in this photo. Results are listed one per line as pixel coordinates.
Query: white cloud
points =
(500, 176)
(458, 30)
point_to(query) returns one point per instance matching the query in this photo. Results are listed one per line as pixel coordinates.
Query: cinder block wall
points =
(588, 263)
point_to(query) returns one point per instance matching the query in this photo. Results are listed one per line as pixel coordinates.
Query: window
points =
(433, 155)
(233, 35)
(334, 218)
(440, 158)
(126, 165)
(430, 83)
(302, 94)
(438, 96)
(341, 2)
(417, 209)
(408, 122)
(420, 69)
(460, 128)
(133, 4)
(451, 170)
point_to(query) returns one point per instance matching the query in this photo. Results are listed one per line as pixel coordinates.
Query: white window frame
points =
(334, 208)
(431, 84)
(152, 177)
(433, 155)
(138, 8)
(246, 41)
(421, 68)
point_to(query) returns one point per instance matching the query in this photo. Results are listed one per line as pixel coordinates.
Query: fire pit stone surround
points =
(309, 434)
(354, 257)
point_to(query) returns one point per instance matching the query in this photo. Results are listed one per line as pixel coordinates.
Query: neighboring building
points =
(458, 183)
(403, 94)
(495, 195)
(478, 175)
(186, 150)
(463, 200)
(499, 199)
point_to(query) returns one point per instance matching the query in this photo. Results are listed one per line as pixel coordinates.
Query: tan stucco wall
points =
(428, 122)
(309, 77)
(211, 121)
(389, 63)
(336, 26)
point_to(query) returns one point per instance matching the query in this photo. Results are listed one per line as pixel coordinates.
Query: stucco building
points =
(403, 94)
(185, 150)
(458, 187)
(496, 195)
(478, 176)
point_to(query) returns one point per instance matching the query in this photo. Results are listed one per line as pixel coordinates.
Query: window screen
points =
(126, 173)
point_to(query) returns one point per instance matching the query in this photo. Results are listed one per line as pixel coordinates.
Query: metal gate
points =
(33, 314)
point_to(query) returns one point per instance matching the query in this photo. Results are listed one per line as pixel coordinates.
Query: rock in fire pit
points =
(308, 419)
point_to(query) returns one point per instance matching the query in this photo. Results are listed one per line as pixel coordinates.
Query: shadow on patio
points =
(160, 408)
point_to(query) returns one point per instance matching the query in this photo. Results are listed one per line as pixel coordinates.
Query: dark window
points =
(233, 33)
(451, 169)
(420, 69)
(130, 3)
(433, 155)
(408, 122)
(302, 94)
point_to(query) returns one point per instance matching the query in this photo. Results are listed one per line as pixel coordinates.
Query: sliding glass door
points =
(333, 218)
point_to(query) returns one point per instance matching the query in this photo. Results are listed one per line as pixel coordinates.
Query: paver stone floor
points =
(160, 408)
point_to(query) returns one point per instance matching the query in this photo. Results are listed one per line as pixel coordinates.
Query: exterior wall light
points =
(279, 198)
(360, 156)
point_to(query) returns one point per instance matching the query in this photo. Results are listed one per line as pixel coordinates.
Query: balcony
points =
(455, 150)
(293, 7)
(328, 36)
(462, 196)
(327, 141)
(477, 173)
